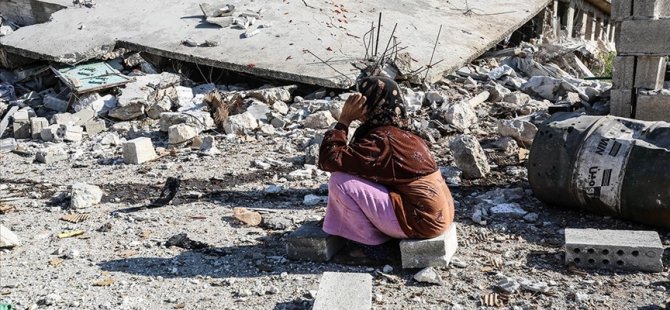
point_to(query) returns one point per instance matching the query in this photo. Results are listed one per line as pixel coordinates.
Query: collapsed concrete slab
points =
(282, 50)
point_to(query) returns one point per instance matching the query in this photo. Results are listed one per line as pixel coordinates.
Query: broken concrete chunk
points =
(110, 138)
(512, 209)
(37, 124)
(208, 147)
(280, 107)
(184, 96)
(508, 285)
(272, 95)
(546, 87)
(138, 151)
(128, 112)
(95, 127)
(497, 92)
(319, 120)
(64, 119)
(460, 115)
(470, 157)
(517, 98)
(51, 154)
(7, 145)
(312, 200)
(8, 239)
(259, 111)
(507, 144)
(163, 105)
(85, 196)
(84, 116)
(181, 133)
(429, 275)
(240, 124)
(100, 105)
(522, 131)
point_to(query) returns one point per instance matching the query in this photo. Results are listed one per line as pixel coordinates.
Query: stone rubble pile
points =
(480, 113)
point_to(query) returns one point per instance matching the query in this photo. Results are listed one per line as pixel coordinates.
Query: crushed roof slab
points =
(333, 30)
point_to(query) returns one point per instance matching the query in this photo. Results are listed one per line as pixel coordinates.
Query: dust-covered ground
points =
(128, 266)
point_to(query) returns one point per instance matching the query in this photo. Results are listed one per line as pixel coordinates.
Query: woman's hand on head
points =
(354, 109)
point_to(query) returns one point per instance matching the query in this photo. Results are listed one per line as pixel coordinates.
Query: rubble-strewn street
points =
(133, 181)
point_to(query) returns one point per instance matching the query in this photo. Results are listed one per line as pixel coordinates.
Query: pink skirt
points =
(360, 210)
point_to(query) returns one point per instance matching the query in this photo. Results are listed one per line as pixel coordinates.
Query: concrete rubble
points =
(246, 152)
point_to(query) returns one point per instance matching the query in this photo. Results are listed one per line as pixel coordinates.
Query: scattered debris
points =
(71, 233)
(182, 241)
(247, 217)
(168, 192)
(85, 196)
(429, 275)
(7, 238)
(75, 218)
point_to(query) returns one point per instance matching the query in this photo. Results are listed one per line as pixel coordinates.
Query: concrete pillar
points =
(554, 19)
(582, 19)
(540, 23)
(590, 26)
(608, 29)
(598, 26)
(570, 18)
(613, 30)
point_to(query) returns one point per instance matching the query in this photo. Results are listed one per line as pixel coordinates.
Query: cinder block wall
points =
(643, 46)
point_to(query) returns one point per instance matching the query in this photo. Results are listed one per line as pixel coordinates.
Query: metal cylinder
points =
(604, 164)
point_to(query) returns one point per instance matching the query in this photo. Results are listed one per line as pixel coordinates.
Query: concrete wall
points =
(640, 67)
(28, 12)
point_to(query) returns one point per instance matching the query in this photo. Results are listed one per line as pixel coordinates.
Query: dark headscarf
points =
(385, 105)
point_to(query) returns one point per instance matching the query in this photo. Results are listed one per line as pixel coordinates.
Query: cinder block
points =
(622, 9)
(51, 155)
(95, 127)
(644, 37)
(614, 249)
(650, 72)
(621, 102)
(22, 116)
(344, 291)
(138, 151)
(37, 124)
(624, 72)
(72, 133)
(311, 243)
(651, 9)
(64, 119)
(52, 133)
(84, 116)
(653, 108)
(436, 252)
(21, 129)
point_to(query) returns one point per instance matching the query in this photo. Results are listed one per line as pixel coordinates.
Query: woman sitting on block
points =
(385, 183)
